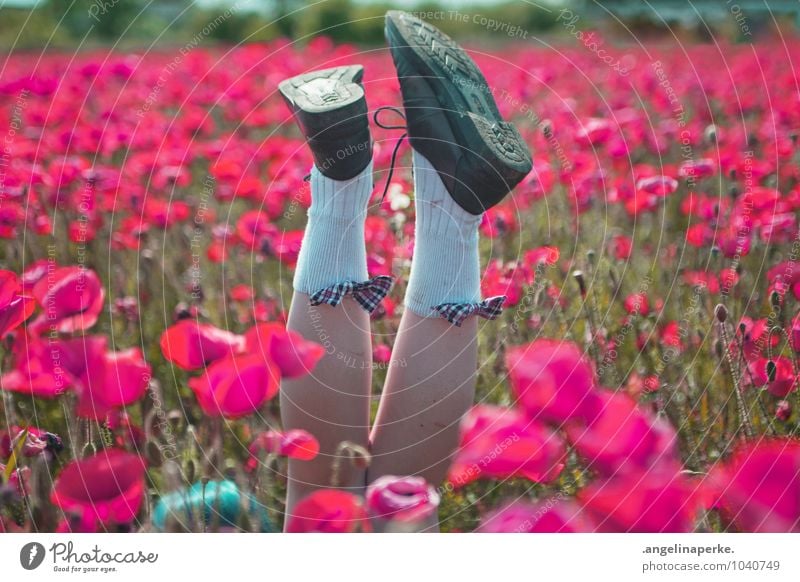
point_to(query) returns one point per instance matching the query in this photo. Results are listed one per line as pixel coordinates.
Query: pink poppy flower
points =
(291, 353)
(548, 516)
(114, 380)
(382, 353)
(71, 299)
(107, 487)
(40, 370)
(657, 185)
(406, 499)
(36, 441)
(235, 386)
(191, 345)
(501, 443)
(697, 169)
(637, 303)
(758, 488)
(294, 444)
(621, 247)
(242, 293)
(623, 437)
(659, 500)
(328, 511)
(552, 381)
(783, 381)
(14, 307)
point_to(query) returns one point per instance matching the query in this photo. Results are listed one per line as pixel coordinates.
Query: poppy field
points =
(642, 378)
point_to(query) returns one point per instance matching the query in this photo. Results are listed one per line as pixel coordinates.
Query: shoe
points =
(331, 110)
(451, 115)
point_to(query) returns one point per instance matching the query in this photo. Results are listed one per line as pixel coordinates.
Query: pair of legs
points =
(466, 159)
(429, 386)
(430, 382)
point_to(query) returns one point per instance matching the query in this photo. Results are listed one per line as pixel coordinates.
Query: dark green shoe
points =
(331, 110)
(452, 118)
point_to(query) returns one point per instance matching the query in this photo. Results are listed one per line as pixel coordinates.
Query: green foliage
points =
(87, 23)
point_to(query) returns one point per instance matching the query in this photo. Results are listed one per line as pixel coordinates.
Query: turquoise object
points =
(222, 507)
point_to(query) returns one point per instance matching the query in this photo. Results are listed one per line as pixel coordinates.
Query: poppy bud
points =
(775, 300)
(721, 313)
(591, 256)
(772, 371)
(710, 134)
(581, 281)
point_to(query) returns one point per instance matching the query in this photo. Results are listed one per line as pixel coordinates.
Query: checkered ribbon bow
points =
(456, 313)
(369, 293)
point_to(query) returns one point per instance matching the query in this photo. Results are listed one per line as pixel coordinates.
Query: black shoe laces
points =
(397, 145)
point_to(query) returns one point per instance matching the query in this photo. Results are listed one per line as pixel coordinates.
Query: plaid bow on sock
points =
(456, 313)
(369, 293)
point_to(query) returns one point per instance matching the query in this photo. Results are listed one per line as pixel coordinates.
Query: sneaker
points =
(331, 110)
(451, 115)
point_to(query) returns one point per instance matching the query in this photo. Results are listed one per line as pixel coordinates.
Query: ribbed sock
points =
(333, 249)
(445, 267)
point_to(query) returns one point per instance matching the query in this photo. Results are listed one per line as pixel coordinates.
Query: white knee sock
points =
(445, 267)
(333, 249)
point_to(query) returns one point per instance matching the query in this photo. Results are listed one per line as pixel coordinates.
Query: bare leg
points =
(332, 402)
(429, 387)
(431, 381)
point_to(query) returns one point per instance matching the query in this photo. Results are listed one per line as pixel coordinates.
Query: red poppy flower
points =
(235, 386)
(107, 487)
(288, 350)
(294, 444)
(40, 370)
(501, 443)
(552, 381)
(758, 488)
(112, 380)
(548, 516)
(623, 437)
(621, 247)
(659, 500)
(637, 303)
(191, 345)
(657, 185)
(407, 499)
(71, 299)
(328, 511)
(14, 307)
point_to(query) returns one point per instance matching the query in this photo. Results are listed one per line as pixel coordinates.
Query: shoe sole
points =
(326, 101)
(466, 99)
(330, 107)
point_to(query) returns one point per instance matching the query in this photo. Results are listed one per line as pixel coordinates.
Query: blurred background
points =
(84, 24)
